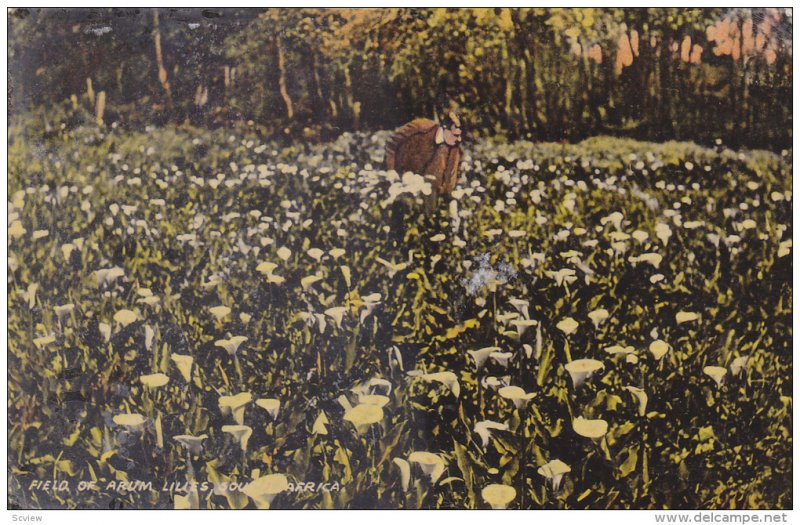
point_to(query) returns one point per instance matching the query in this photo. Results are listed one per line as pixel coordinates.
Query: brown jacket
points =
(414, 148)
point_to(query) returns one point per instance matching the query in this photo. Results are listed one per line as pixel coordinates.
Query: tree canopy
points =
(543, 73)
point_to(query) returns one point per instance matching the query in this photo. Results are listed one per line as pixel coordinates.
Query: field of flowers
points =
(198, 319)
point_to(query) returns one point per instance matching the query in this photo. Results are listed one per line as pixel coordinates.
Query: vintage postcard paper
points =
(528, 258)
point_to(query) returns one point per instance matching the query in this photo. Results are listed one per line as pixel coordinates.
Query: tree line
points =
(539, 73)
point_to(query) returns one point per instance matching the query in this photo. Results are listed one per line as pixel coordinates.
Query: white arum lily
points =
(619, 350)
(516, 395)
(219, 312)
(264, 489)
(105, 330)
(563, 276)
(640, 396)
(134, 422)
(739, 364)
(315, 253)
(582, 369)
(63, 311)
(431, 465)
(266, 268)
(717, 373)
(284, 253)
(659, 349)
(272, 406)
(405, 472)
(686, 317)
(501, 358)
(598, 317)
(498, 496)
(521, 305)
(448, 379)
(231, 345)
(484, 430)
(125, 317)
(364, 416)
(523, 324)
(235, 405)
(108, 275)
(240, 433)
(336, 313)
(663, 232)
(568, 325)
(308, 281)
(193, 444)
(481, 355)
(590, 428)
(184, 364)
(653, 259)
(154, 380)
(554, 471)
(320, 426)
(614, 218)
(369, 303)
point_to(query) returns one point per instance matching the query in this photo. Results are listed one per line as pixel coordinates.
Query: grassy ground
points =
(379, 333)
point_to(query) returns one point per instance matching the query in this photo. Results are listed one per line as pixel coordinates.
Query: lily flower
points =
(272, 406)
(582, 369)
(220, 312)
(516, 395)
(125, 317)
(598, 317)
(405, 473)
(133, 422)
(554, 471)
(641, 397)
(568, 325)
(194, 444)
(717, 373)
(231, 345)
(590, 428)
(235, 405)
(154, 381)
(498, 496)
(522, 325)
(739, 364)
(264, 489)
(363, 416)
(448, 379)
(184, 364)
(431, 465)
(484, 430)
(240, 433)
(659, 349)
(686, 317)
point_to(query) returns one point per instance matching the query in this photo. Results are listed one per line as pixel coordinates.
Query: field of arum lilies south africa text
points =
(201, 319)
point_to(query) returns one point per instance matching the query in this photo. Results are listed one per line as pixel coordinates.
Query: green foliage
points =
(190, 217)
